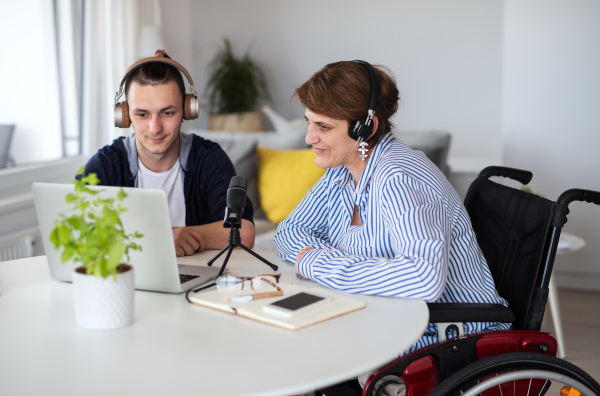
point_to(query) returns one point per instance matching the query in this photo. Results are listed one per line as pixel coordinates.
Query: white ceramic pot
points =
(102, 303)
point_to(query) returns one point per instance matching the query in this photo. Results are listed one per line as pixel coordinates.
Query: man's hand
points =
(298, 257)
(188, 241)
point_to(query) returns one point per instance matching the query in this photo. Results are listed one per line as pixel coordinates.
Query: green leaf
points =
(76, 222)
(66, 255)
(92, 232)
(63, 234)
(71, 198)
(90, 250)
(121, 195)
(54, 237)
(91, 179)
(115, 254)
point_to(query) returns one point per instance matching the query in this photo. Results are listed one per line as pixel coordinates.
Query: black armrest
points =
(469, 312)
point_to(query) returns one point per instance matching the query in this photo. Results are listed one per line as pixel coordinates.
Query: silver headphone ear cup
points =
(186, 107)
(119, 115)
(125, 114)
(190, 107)
(194, 107)
(122, 115)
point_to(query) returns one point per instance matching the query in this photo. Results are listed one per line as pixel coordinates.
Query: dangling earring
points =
(362, 148)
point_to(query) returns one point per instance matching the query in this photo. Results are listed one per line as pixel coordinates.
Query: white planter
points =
(102, 303)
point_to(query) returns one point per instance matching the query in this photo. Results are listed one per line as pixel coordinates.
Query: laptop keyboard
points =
(186, 278)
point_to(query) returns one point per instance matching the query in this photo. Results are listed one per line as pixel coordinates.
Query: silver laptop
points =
(156, 267)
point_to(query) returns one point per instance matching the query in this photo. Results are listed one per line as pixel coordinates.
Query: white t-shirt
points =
(171, 182)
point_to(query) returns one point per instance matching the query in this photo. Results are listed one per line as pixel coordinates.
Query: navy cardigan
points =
(206, 174)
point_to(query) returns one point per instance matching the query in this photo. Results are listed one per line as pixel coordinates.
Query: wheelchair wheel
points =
(517, 374)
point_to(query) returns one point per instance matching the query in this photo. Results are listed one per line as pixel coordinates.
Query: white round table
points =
(566, 244)
(176, 348)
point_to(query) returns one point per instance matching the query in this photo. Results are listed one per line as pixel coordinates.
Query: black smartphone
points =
(296, 303)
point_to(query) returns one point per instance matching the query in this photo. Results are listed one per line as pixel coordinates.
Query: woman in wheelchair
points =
(383, 219)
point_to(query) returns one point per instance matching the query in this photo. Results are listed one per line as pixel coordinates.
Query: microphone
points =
(235, 202)
(236, 199)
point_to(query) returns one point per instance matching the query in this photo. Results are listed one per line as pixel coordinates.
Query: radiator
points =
(20, 244)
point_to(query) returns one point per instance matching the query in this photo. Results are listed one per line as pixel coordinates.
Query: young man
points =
(194, 172)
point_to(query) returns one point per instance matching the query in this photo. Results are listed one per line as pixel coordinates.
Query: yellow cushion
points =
(284, 178)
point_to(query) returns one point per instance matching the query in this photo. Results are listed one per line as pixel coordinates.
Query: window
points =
(39, 79)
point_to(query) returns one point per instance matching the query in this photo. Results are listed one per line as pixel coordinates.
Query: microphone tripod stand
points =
(235, 240)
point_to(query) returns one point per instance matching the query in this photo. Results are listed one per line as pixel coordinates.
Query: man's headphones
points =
(190, 101)
(360, 131)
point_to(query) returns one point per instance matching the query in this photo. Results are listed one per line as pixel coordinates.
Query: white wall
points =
(515, 81)
(446, 55)
(551, 113)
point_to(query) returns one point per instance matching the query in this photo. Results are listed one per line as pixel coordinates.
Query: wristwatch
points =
(300, 277)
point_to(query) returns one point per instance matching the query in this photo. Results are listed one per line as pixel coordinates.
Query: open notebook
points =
(336, 306)
(155, 267)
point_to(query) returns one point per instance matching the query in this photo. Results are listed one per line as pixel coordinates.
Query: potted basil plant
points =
(92, 234)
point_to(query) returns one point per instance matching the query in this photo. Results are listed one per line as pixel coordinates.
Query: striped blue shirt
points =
(416, 238)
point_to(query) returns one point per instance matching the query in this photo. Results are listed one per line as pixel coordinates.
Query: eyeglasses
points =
(233, 285)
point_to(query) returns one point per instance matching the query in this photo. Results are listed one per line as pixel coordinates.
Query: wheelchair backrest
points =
(511, 228)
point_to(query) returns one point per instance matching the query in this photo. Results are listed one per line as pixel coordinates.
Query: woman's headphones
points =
(190, 101)
(360, 131)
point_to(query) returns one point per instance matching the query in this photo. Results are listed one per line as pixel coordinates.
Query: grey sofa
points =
(241, 148)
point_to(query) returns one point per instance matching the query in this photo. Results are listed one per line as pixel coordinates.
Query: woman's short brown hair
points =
(342, 90)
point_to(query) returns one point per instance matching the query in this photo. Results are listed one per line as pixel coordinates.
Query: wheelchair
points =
(518, 233)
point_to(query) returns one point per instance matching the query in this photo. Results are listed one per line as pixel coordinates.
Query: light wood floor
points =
(580, 313)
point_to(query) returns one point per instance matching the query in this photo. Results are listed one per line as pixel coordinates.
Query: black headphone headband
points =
(375, 84)
(361, 131)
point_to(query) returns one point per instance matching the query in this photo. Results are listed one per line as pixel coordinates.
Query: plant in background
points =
(235, 85)
(528, 189)
(92, 233)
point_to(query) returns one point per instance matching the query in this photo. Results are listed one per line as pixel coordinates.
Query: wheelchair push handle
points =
(519, 175)
(577, 194)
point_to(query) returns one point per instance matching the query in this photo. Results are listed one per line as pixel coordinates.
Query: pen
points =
(250, 297)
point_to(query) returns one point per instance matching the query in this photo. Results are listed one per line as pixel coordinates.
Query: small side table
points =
(568, 243)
